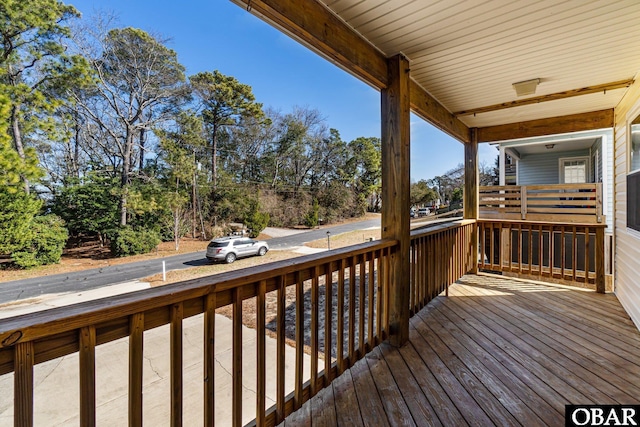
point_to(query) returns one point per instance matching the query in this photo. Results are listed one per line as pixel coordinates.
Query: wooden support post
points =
(471, 192)
(600, 279)
(395, 192)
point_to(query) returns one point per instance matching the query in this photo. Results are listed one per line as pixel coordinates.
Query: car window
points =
(241, 242)
(218, 244)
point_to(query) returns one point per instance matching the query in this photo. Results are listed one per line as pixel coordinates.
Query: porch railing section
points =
(562, 203)
(440, 255)
(333, 305)
(338, 328)
(572, 253)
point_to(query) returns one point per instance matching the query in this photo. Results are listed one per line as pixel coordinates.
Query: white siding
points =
(543, 168)
(627, 242)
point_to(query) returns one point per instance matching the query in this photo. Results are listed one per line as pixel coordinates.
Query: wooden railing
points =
(562, 203)
(572, 253)
(349, 324)
(440, 255)
(335, 305)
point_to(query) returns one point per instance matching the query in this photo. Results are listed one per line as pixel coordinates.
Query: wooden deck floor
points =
(495, 352)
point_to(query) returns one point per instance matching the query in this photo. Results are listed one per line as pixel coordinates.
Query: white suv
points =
(228, 249)
(423, 211)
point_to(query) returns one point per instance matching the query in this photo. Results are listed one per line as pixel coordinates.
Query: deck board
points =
(497, 351)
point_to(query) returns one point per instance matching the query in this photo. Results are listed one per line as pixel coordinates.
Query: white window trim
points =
(561, 160)
(631, 115)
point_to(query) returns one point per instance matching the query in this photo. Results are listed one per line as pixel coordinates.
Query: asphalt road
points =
(95, 278)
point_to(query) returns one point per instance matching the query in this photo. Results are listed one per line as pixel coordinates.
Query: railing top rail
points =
(568, 224)
(485, 188)
(491, 188)
(437, 228)
(63, 319)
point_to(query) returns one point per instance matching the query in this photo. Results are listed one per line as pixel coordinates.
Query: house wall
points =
(543, 168)
(627, 241)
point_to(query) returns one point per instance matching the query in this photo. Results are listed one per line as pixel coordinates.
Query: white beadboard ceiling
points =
(467, 54)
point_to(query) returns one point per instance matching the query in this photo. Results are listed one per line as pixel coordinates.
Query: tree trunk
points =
(124, 179)
(176, 228)
(214, 152)
(193, 205)
(17, 140)
(141, 142)
(76, 150)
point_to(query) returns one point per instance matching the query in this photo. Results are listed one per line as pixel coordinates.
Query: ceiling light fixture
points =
(527, 87)
(550, 146)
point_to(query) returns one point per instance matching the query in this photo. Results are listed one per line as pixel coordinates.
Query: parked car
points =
(423, 211)
(412, 213)
(228, 249)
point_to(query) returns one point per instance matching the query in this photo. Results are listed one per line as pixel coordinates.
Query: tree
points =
(88, 206)
(421, 193)
(13, 168)
(364, 166)
(34, 67)
(140, 83)
(225, 102)
(182, 149)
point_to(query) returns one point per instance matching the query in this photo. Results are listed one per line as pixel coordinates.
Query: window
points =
(634, 161)
(633, 179)
(574, 170)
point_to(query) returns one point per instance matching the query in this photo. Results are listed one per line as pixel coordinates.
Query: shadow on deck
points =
(495, 352)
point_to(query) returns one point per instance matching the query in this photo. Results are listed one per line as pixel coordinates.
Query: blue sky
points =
(218, 35)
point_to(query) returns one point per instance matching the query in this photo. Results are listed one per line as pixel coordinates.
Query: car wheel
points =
(262, 251)
(230, 258)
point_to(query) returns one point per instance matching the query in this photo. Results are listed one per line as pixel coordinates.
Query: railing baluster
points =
(352, 310)
(530, 230)
(520, 248)
(422, 282)
(328, 322)
(370, 299)
(361, 295)
(413, 285)
(23, 384)
(136, 354)
(587, 236)
(237, 359)
(563, 252)
(385, 296)
(540, 251)
(299, 338)
(382, 272)
(314, 331)
(552, 248)
(574, 253)
(87, 357)
(261, 381)
(280, 347)
(176, 364)
(431, 285)
(599, 267)
(340, 332)
(209, 359)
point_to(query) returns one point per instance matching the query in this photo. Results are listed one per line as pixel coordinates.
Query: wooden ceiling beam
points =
(549, 97)
(429, 109)
(316, 27)
(554, 125)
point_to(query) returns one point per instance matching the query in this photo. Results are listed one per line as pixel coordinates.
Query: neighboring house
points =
(575, 158)
(559, 160)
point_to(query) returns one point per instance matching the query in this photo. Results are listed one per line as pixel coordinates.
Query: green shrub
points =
(45, 243)
(255, 219)
(311, 220)
(126, 241)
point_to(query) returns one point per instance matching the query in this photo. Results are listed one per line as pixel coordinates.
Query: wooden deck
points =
(495, 352)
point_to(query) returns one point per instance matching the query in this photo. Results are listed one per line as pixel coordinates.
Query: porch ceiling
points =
(467, 54)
